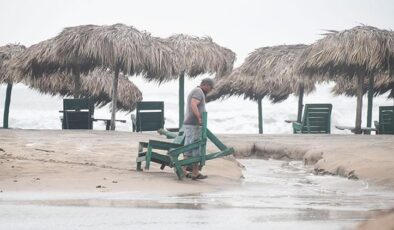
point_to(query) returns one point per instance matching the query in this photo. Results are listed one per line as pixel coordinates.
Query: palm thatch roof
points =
(7, 52)
(362, 49)
(348, 87)
(96, 84)
(86, 47)
(268, 71)
(202, 55)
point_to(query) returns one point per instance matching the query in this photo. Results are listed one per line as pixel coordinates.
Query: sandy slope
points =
(370, 158)
(91, 161)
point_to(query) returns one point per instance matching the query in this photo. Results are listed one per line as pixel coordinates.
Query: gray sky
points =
(241, 25)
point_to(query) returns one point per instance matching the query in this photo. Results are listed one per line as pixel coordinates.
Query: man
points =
(193, 121)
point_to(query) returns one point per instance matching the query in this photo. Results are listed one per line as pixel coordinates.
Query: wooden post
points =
(181, 99)
(300, 102)
(260, 106)
(7, 105)
(370, 102)
(77, 82)
(114, 97)
(360, 92)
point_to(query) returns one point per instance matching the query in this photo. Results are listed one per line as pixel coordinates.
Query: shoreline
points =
(99, 163)
(106, 160)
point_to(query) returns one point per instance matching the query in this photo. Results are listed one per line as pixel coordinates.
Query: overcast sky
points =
(241, 25)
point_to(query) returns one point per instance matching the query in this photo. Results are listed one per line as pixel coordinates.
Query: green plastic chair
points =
(316, 119)
(149, 116)
(77, 113)
(385, 125)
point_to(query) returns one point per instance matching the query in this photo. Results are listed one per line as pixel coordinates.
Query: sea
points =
(32, 110)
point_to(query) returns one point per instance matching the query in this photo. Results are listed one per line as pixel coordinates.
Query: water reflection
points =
(273, 195)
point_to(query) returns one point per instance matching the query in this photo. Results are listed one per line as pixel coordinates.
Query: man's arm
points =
(194, 105)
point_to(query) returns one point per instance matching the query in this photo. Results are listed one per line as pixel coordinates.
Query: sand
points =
(69, 161)
(91, 161)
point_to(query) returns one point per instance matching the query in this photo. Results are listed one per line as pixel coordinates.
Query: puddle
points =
(273, 195)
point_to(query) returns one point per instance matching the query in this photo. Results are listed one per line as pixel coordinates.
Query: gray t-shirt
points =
(190, 118)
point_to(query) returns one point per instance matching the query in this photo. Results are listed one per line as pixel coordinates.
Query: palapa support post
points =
(360, 83)
(181, 99)
(7, 105)
(114, 97)
(260, 111)
(77, 82)
(370, 102)
(300, 102)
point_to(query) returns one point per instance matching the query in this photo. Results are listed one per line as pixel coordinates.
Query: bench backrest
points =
(78, 104)
(78, 113)
(386, 120)
(317, 118)
(149, 115)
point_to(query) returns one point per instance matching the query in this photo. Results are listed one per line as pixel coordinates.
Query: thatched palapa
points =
(268, 71)
(118, 47)
(348, 87)
(7, 52)
(360, 52)
(197, 56)
(96, 84)
(362, 49)
(202, 55)
(89, 46)
(6, 74)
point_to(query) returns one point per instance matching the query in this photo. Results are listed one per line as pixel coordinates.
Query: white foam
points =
(31, 110)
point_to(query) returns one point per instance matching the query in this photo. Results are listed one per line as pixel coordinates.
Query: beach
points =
(36, 159)
(101, 162)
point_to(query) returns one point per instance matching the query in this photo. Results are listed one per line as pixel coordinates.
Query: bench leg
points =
(177, 168)
(139, 168)
(148, 157)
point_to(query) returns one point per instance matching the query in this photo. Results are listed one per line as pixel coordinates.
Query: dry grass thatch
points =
(382, 84)
(7, 52)
(97, 85)
(86, 47)
(360, 50)
(268, 71)
(202, 55)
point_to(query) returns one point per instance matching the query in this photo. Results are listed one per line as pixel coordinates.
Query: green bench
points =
(149, 116)
(169, 156)
(77, 113)
(385, 125)
(316, 120)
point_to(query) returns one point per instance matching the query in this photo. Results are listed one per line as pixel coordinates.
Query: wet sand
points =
(57, 161)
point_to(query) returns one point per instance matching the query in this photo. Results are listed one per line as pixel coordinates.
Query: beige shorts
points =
(192, 134)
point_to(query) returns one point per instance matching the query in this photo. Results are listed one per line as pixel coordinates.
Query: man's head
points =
(207, 85)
